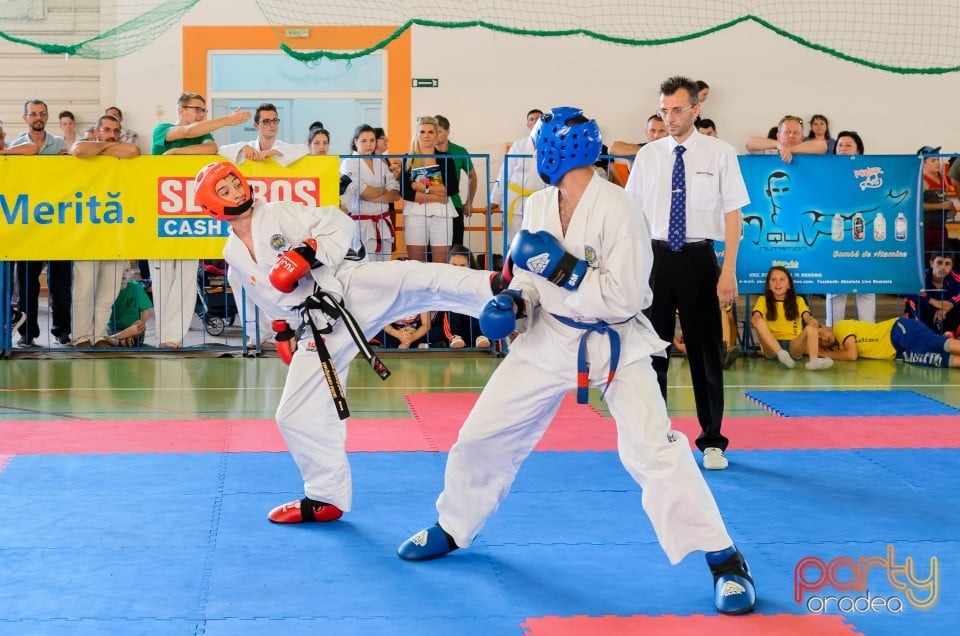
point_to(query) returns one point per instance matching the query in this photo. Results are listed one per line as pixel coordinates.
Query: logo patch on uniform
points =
(278, 242)
(590, 255)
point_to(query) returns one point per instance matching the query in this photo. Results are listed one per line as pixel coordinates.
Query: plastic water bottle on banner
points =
(900, 227)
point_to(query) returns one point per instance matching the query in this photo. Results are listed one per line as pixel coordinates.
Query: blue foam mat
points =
(363, 626)
(849, 403)
(179, 544)
(100, 583)
(102, 627)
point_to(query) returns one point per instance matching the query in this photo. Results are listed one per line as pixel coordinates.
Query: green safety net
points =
(64, 28)
(889, 35)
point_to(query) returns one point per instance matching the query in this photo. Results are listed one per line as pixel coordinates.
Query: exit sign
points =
(424, 82)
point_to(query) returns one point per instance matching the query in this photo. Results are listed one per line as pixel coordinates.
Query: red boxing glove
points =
(499, 281)
(293, 265)
(286, 340)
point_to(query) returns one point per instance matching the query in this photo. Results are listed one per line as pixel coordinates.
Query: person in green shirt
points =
(128, 319)
(463, 163)
(175, 281)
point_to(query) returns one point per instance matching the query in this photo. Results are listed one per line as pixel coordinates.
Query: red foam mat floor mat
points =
(438, 417)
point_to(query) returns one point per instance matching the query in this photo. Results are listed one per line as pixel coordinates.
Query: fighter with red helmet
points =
(297, 264)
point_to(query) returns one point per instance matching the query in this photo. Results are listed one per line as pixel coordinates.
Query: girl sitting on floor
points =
(785, 327)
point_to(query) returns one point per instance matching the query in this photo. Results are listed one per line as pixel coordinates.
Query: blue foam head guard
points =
(565, 140)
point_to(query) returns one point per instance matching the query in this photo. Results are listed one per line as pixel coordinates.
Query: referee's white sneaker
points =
(714, 459)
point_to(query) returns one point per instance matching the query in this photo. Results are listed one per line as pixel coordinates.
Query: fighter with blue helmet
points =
(582, 265)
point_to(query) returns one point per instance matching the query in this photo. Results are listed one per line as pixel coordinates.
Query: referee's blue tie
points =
(677, 232)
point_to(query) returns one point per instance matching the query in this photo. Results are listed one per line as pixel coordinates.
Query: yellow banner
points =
(64, 208)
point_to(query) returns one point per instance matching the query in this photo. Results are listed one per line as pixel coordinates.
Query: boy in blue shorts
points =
(901, 339)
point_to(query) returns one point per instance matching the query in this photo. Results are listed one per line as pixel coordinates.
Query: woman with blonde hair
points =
(428, 179)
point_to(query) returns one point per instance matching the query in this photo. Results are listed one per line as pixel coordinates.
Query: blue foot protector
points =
(733, 591)
(429, 543)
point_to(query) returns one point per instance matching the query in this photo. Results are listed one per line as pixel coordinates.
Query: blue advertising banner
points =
(840, 224)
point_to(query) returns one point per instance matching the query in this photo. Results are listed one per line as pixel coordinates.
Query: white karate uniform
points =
(524, 393)
(524, 181)
(289, 152)
(373, 218)
(837, 308)
(174, 285)
(376, 293)
(95, 287)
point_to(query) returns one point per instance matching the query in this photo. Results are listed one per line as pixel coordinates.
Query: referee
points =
(690, 190)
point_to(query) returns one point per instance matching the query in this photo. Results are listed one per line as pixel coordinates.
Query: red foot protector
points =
(697, 625)
(302, 511)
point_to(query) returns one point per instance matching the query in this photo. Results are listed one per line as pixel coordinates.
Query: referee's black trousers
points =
(686, 282)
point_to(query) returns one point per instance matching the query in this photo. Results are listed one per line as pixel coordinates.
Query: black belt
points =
(693, 245)
(335, 309)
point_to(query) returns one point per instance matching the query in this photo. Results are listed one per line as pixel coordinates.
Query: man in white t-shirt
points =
(267, 124)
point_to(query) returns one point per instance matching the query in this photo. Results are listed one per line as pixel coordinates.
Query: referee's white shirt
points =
(715, 186)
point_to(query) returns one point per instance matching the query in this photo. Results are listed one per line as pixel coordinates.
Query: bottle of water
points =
(900, 227)
(879, 228)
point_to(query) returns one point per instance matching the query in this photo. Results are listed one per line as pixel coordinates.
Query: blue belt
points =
(583, 375)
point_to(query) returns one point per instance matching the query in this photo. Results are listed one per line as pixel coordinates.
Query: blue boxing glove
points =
(498, 318)
(541, 253)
